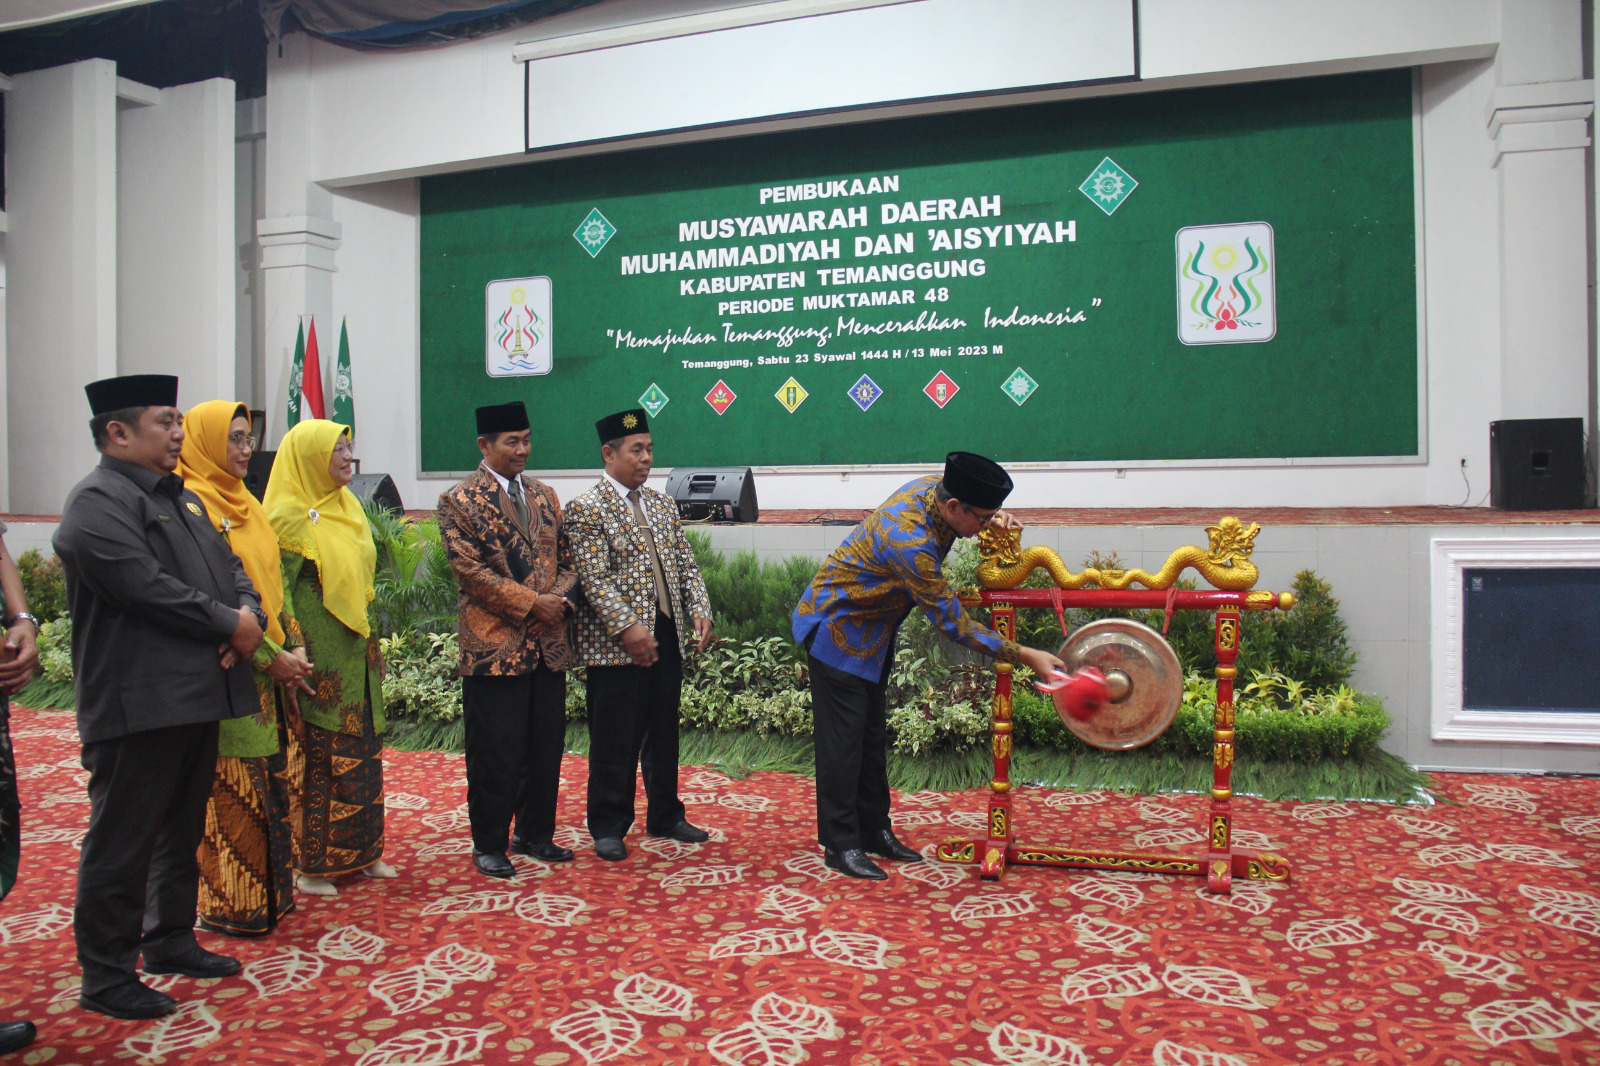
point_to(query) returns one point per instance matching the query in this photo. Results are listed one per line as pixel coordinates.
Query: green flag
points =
(297, 373)
(344, 399)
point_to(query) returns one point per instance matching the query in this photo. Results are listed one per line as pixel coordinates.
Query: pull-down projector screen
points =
(702, 71)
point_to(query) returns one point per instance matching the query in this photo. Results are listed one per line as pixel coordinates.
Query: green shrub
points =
(751, 597)
(44, 585)
(753, 680)
(1335, 723)
(920, 729)
(414, 587)
(764, 666)
(55, 650)
(1308, 642)
(577, 695)
(1034, 721)
(420, 681)
(51, 687)
(755, 684)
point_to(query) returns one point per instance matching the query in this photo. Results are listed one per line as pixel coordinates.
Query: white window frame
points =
(1451, 557)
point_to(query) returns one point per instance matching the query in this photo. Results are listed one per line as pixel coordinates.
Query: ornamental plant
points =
(44, 584)
(420, 680)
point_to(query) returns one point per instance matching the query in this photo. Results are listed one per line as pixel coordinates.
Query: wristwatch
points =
(22, 616)
(261, 618)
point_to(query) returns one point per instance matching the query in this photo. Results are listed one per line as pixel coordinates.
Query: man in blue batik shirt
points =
(847, 620)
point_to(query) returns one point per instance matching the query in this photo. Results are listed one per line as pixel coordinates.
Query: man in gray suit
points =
(164, 621)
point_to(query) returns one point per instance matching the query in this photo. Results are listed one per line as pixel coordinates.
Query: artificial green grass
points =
(43, 694)
(1377, 776)
(408, 735)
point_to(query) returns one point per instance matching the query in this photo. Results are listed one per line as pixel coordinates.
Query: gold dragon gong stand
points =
(1226, 565)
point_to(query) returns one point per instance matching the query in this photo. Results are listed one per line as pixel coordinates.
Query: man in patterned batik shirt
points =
(847, 620)
(643, 594)
(501, 530)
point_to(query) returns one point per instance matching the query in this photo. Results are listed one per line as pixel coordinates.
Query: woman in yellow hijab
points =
(335, 755)
(245, 878)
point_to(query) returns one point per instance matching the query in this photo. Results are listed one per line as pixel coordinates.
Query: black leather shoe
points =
(196, 962)
(132, 1000)
(14, 1036)
(686, 833)
(493, 863)
(611, 848)
(888, 845)
(547, 850)
(853, 862)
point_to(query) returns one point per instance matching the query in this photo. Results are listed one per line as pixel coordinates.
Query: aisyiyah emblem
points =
(1226, 284)
(721, 397)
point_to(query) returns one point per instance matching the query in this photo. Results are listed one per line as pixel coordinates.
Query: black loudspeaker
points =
(714, 494)
(1536, 464)
(378, 489)
(255, 479)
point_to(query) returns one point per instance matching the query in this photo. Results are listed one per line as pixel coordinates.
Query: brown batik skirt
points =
(339, 813)
(246, 883)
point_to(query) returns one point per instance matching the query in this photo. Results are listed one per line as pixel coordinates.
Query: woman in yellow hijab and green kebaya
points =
(328, 562)
(246, 883)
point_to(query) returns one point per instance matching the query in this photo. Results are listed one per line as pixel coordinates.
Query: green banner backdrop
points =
(1041, 283)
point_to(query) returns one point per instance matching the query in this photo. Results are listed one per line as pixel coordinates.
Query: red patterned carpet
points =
(1462, 933)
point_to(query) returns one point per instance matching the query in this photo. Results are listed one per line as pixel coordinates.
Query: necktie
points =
(662, 603)
(514, 490)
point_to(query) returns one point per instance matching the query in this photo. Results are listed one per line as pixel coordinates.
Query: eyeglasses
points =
(243, 440)
(344, 449)
(983, 517)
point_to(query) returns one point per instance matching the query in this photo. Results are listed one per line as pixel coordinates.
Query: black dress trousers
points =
(851, 739)
(147, 812)
(633, 722)
(516, 731)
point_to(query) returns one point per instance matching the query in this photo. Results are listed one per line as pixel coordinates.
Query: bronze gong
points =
(1144, 681)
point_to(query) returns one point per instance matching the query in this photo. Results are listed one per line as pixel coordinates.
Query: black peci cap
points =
(622, 424)
(976, 481)
(502, 418)
(131, 390)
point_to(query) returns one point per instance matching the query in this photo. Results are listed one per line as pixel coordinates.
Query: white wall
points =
(176, 266)
(61, 303)
(249, 180)
(379, 223)
(119, 258)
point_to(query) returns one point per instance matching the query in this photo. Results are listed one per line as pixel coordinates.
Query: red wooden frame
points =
(1220, 862)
